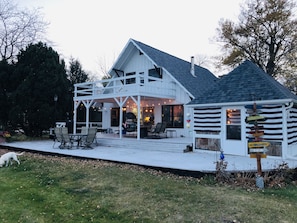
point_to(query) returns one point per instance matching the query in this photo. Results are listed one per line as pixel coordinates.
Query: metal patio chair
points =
(58, 136)
(159, 129)
(89, 139)
(67, 141)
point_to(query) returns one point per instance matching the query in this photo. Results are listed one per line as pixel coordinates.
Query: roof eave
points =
(263, 102)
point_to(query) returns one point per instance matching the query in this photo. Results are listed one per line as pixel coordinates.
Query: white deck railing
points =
(136, 84)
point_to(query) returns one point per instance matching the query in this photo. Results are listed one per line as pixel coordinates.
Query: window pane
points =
(178, 117)
(173, 115)
(130, 80)
(115, 116)
(233, 124)
(167, 115)
(148, 116)
(155, 73)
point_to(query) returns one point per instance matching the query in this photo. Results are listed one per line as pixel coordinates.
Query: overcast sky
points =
(96, 31)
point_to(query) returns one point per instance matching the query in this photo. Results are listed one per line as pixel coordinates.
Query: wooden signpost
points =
(258, 144)
(257, 148)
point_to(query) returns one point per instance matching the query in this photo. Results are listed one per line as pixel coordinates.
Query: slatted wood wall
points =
(273, 126)
(207, 120)
(292, 126)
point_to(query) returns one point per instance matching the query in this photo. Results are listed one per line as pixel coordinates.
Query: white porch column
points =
(75, 106)
(138, 114)
(121, 102)
(88, 104)
(121, 118)
(138, 117)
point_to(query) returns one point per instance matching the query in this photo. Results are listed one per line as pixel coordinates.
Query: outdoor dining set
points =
(67, 140)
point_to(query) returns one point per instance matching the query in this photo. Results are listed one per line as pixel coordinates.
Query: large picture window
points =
(173, 115)
(233, 124)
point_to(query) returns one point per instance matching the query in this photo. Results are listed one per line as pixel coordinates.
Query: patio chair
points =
(88, 141)
(162, 129)
(58, 136)
(159, 129)
(84, 130)
(67, 141)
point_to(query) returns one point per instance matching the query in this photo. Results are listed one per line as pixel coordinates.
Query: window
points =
(148, 116)
(156, 73)
(95, 115)
(173, 115)
(115, 116)
(141, 74)
(130, 80)
(233, 124)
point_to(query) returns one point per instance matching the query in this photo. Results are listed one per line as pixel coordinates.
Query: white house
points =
(219, 115)
(147, 82)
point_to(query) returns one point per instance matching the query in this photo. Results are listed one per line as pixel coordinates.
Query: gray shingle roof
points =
(247, 82)
(180, 70)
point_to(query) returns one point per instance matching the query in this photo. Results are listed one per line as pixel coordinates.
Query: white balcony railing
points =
(136, 84)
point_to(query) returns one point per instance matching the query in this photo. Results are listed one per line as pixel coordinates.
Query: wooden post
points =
(259, 167)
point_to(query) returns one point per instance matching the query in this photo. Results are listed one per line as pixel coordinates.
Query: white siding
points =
(138, 63)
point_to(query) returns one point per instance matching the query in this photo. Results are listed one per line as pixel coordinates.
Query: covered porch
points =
(116, 97)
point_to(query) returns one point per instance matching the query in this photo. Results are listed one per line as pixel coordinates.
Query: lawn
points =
(47, 188)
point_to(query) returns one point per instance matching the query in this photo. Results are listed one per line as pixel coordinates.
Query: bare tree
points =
(202, 60)
(105, 64)
(266, 34)
(18, 28)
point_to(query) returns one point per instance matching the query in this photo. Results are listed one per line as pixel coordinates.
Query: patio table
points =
(77, 137)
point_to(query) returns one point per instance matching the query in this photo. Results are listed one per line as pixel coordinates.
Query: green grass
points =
(54, 189)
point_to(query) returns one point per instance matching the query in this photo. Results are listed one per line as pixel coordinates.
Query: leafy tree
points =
(266, 34)
(18, 28)
(39, 75)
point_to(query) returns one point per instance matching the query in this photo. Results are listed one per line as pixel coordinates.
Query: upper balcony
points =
(131, 85)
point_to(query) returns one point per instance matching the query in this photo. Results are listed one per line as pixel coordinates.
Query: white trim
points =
(285, 132)
(87, 104)
(277, 101)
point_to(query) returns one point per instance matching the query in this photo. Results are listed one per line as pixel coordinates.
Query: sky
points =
(95, 31)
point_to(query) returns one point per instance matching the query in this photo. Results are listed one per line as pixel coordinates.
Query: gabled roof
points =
(179, 69)
(247, 82)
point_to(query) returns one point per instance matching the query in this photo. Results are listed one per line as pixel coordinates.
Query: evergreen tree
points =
(5, 92)
(76, 74)
(39, 76)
